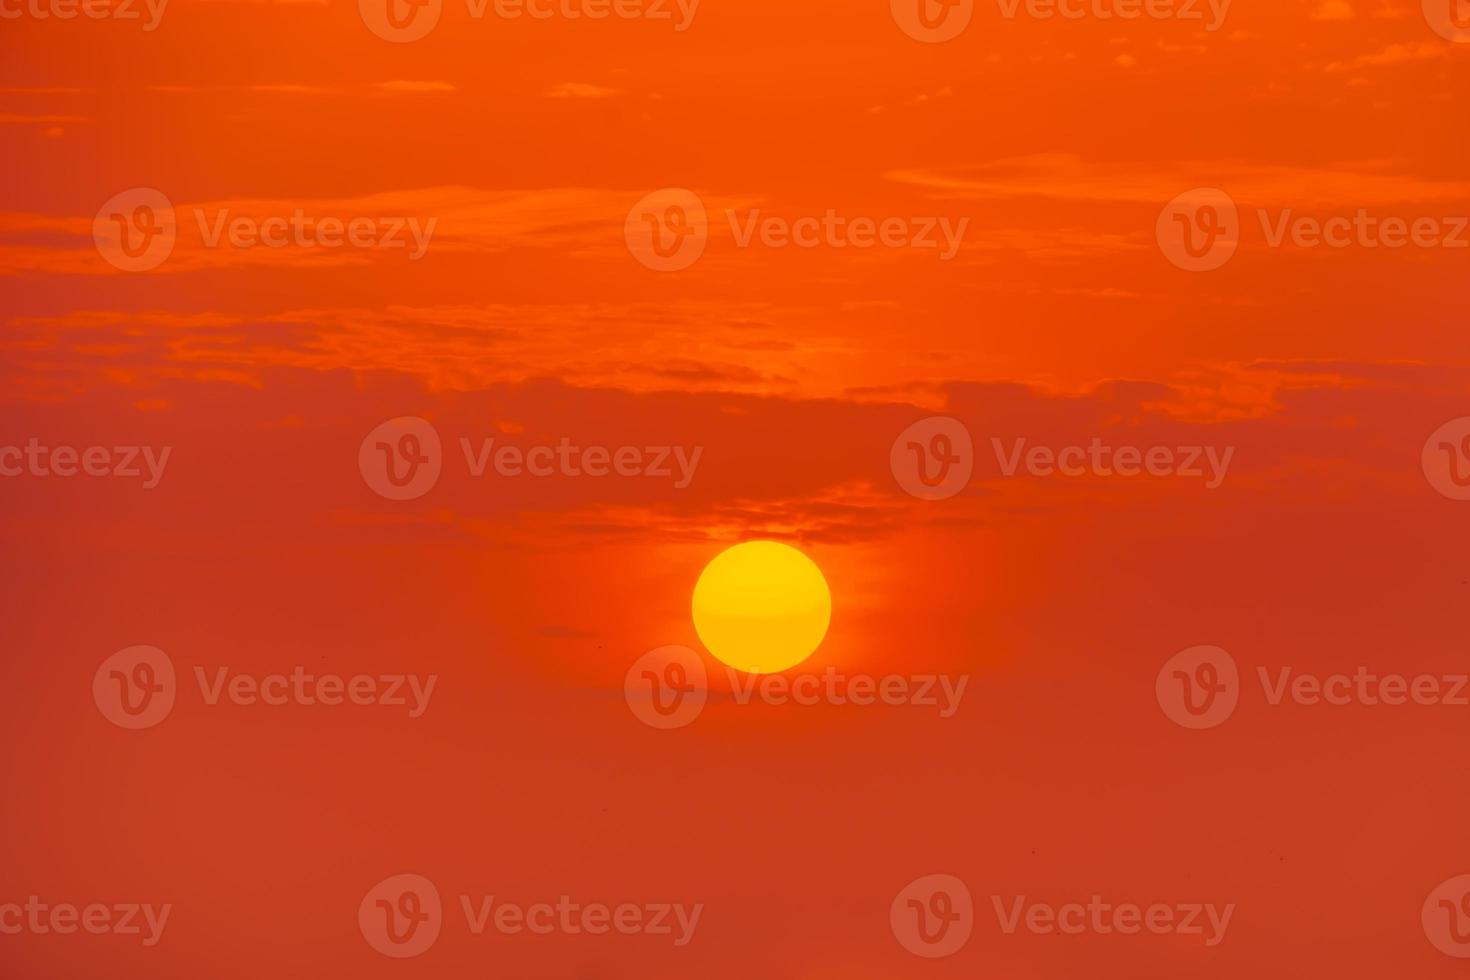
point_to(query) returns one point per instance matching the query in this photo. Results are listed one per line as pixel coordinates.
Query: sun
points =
(761, 607)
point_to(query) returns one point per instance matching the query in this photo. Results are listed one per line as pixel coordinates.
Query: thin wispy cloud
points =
(580, 90)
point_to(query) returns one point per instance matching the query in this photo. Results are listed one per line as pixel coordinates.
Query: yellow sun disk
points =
(761, 607)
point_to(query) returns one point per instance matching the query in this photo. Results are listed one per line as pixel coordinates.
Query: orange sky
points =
(528, 319)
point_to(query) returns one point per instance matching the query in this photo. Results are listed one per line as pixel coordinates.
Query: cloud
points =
(1394, 54)
(407, 86)
(291, 88)
(1334, 10)
(709, 346)
(789, 467)
(465, 219)
(280, 89)
(1068, 177)
(580, 90)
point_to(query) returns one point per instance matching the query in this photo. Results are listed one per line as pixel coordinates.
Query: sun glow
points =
(761, 607)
